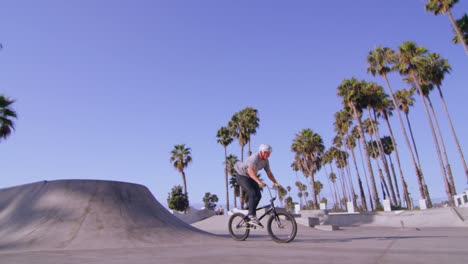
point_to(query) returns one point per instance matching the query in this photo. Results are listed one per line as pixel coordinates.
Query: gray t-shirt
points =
(255, 161)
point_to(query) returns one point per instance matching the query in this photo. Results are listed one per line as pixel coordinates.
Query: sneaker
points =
(253, 221)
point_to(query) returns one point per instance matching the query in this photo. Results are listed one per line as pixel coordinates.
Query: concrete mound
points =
(87, 214)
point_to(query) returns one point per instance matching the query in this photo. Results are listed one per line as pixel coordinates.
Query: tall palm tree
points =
(385, 111)
(243, 125)
(332, 178)
(231, 160)
(224, 139)
(355, 135)
(444, 7)
(406, 100)
(388, 149)
(436, 68)
(380, 62)
(181, 158)
(462, 24)
(253, 123)
(238, 127)
(374, 152)
(375, 96)
(351, 91)
(308, 148)
(342, 125)
(426, 90)
(7, 114)
(408, 56)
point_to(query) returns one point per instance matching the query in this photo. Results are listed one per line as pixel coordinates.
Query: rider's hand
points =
(261, 184)
(277, 185)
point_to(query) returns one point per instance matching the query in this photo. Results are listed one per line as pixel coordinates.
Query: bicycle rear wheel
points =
(282, 227)
(238, 227)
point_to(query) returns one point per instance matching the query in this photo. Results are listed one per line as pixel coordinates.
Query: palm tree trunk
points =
(343, 187)
(338, 200)
(384, 161)
(365, 175)
(312, 182)
(434, 137)
(395, 180)
(369, 165)
(361, 189)
(412, 138)
(337, 203)
(350, 180)
(417, 167)
(397, 155)
(459, 34)
(235, 197)
(329, 184)
(226, 178)
(382, 180)
(185, 182)
(460, 152)
(241, 193)
(444, 150)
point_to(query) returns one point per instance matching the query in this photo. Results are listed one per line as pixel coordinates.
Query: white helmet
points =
(265, 148)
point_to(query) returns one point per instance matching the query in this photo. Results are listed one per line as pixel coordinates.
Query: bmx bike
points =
(281, 225)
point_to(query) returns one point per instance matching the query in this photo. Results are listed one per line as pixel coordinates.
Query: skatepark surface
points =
(88, 221)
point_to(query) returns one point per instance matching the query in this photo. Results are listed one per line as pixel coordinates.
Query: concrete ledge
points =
(436, 217)
(314, 221)
(327, 227)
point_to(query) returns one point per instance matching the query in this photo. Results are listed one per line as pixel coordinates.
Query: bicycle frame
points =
(271, 206)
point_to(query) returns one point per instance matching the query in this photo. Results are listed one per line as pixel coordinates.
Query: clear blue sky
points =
(105, 89)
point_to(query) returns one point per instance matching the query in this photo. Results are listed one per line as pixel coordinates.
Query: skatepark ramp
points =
(87, 214)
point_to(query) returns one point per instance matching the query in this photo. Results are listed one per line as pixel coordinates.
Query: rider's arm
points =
(253, 175)
(272, 178)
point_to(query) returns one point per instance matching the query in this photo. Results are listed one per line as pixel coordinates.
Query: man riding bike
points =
(247, 178)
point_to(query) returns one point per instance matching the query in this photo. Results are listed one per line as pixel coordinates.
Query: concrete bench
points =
(315, 222)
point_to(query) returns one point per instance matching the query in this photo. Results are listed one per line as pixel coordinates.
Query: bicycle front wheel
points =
(238, 227)
(282, 227)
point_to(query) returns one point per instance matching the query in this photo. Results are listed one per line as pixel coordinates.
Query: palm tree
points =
(308, 148)
(181, 157)
(318, 187)
(426, 90)
(224, 139)
(281, 194)
(385, 110)
(435, 73)
(388, 149)
(6, 117)
(351, 90)
(374, 152)
(380, 62)
(444, 7)
(332, 178)
(243, 125)
(375, 96)
(408, 57)
(231, 160)
(462, 24)
(341, 125)
(355, 135)
(238, 127)
(253, 122)
(406, 100)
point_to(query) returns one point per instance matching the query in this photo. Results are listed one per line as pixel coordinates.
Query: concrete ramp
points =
(87, 214)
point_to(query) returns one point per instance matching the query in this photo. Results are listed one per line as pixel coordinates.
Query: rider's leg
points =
(253, 191)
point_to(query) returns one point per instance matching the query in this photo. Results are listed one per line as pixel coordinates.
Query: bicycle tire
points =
(282, 227)
(238, 228)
